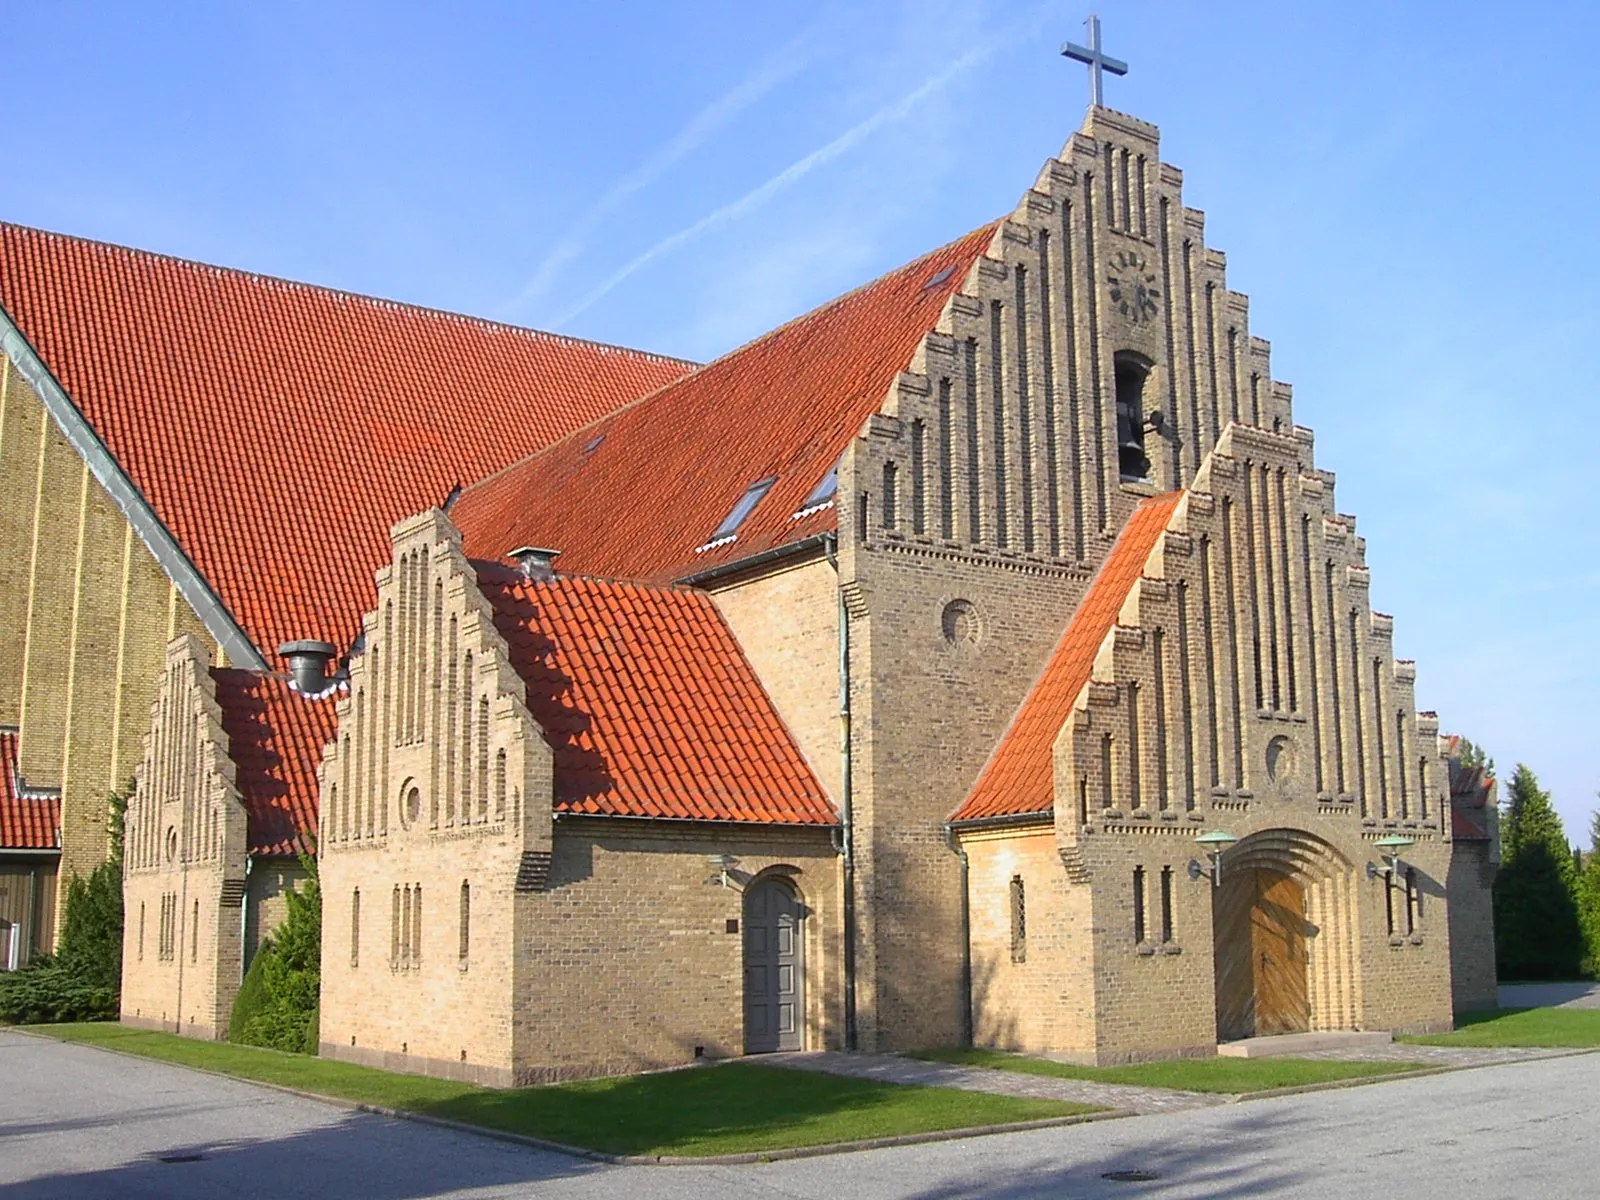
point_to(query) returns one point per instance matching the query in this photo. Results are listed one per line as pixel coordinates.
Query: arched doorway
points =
(1284, 937)
(774, 967)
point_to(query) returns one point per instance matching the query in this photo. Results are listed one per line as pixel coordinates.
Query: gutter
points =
(830, 546)
(822, 541)
(1042, 817)
(966, 932)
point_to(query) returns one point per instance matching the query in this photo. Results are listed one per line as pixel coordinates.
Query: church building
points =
(981, 657)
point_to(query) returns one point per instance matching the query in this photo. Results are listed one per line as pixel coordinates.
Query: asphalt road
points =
(79, 1124)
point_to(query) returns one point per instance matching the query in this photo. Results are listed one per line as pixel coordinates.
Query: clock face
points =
(1133, 286)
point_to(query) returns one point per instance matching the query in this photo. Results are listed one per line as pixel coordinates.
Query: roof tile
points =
(278, 429)
(30, 819)
(649, 704)
(785, 405)
(276, 738)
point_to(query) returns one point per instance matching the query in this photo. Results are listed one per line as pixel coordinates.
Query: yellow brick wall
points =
(787, 623)
(85, 616)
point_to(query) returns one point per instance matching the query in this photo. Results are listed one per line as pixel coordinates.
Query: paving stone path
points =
(891, 1068)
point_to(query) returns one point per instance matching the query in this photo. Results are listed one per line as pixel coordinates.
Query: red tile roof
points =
(1019, 776)
(636, 493)
(29, 819)
(650, 705)
(279, 429)
(276, 740)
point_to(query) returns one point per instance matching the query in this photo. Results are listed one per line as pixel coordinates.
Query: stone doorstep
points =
(1302, 1043)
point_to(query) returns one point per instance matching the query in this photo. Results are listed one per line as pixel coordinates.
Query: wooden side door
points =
(1278, 942)
(774, 968)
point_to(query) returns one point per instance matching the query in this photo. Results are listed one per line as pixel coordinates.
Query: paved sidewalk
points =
(891, 1068)
(1439, 1056)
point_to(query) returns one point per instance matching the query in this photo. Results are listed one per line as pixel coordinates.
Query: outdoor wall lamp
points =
(721, 863)
(1390, 844)
(1213, 842)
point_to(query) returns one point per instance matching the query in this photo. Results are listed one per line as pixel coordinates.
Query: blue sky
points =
(1405, 191)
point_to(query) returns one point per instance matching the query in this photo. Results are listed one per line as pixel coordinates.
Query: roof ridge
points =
(585, 577)
(364, 297)
(727, 354)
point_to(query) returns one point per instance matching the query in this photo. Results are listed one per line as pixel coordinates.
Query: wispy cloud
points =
(789, 176)
(781, 66)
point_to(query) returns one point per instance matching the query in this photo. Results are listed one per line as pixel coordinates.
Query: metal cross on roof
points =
(1096, 60)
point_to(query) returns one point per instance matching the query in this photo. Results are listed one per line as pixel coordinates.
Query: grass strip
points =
(1505, 1027)
(1228, 1076)
(731, 1108)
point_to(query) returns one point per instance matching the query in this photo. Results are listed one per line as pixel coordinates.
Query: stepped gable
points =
(30, 819)
(650, 706)
(275, 739)
(637, 493)
(278, 429)
(1019, 777)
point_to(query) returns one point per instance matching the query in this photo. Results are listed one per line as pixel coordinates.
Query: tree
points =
(1537, 932)
(83, 980)
(277, 1004)
(1588, 895)
(1472, 755)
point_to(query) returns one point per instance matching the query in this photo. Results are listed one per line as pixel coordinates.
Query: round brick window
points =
(960, 624)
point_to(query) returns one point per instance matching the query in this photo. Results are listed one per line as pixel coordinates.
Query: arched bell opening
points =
(1284, 936)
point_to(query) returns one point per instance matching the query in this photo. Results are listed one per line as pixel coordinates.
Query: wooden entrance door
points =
(1259, 925)
(774, 968)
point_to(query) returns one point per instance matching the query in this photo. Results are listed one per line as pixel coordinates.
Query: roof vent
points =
(308, 668)
(537, 564)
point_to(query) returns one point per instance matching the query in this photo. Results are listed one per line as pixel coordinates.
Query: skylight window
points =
(736, 515)
(820, 496)
(593, 443)
(939, 278)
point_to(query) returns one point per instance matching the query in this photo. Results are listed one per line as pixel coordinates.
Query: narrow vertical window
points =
(405, 926)
(1139, 930)
(141, 931)
(1166, 905)
(919, 467)
(863, 525)
(1083, 800)
(394, 928)
(1422, 788)
(1135, 795)
(974, 472)
(1388, 903)
(947, 515)
(465, 810)
(890, 495)
(1019, 921)
(194, 934)
(416, 923)
(500, 782)
(997, 397)
(482, 786)
(355, 927)
(1411, 900)
(1107, 784)
(466, 923)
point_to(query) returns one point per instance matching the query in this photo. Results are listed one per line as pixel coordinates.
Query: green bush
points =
(278, 999)
(83, 981)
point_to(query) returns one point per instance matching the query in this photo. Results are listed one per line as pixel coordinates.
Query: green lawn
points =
(1576, 1027)
(727, 1109)
(1226, 1075)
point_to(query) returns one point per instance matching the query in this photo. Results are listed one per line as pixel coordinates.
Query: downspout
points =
(966, 935)
(846, 828)
(244, 919)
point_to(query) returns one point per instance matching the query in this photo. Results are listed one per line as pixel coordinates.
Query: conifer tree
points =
(1588, 893)
(1537, 933)
(278, 1007)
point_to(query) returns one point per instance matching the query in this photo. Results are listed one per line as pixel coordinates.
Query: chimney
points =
(537, 565)
(308, 667)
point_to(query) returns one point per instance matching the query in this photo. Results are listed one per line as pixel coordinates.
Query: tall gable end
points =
(434, 739)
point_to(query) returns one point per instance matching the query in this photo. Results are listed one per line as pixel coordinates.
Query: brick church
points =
(981, 656)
